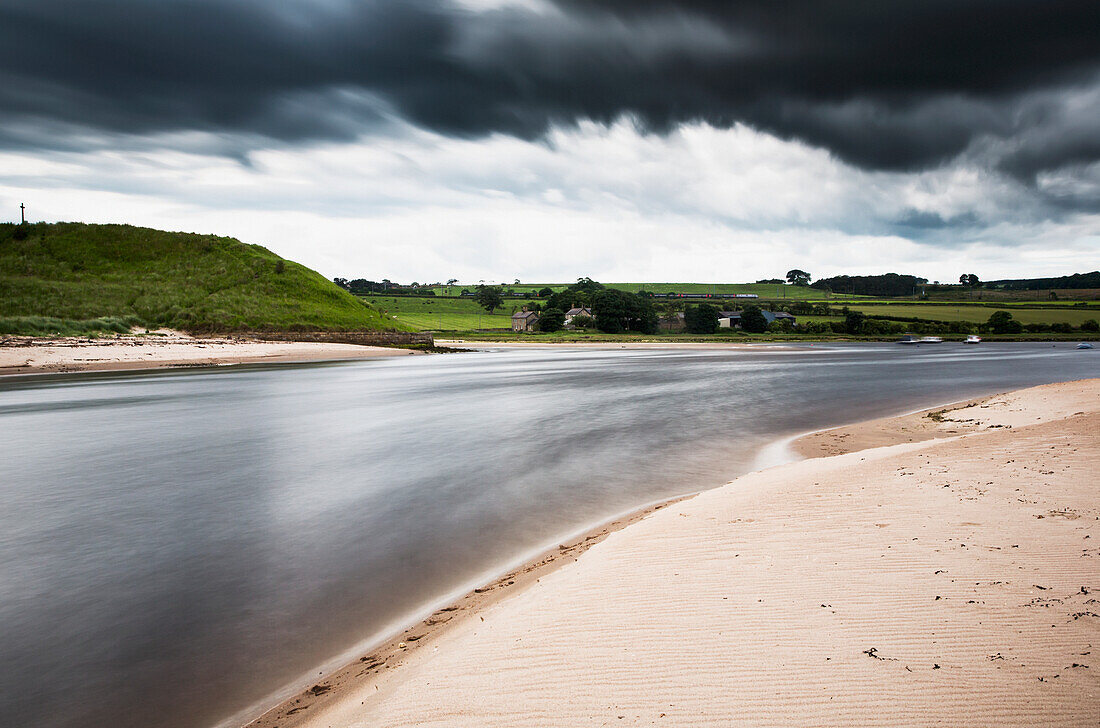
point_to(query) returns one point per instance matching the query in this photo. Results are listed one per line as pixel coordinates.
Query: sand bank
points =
(20, 355)
(952, 580)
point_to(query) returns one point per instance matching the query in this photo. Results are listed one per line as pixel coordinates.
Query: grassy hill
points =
(73, 278)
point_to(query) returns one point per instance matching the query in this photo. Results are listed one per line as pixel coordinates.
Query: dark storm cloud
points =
(901, 85)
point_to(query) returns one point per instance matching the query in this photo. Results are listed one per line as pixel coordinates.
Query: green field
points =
(765, 291)
(463, 314)
(78, 273)
(978, 314)
(444, 314)
(768, 291)
(989, 305)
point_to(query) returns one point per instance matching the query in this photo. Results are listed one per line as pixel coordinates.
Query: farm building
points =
(524, 320)
(732, 319)
(671, 322)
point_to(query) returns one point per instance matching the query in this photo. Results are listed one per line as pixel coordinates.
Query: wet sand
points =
(946, 575)
(23, 355)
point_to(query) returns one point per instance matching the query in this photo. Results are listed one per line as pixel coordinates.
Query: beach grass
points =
(50, 326)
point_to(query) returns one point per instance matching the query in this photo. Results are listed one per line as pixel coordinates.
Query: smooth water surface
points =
(176, 546)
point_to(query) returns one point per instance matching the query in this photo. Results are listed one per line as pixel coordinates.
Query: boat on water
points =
(1084, 345)
(931, 340)
(909, 339)
(973, 339)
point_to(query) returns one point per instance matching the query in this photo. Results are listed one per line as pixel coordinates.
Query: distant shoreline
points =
(21, 355)
(25, 355)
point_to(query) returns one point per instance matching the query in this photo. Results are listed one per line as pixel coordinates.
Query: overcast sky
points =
(626, 140)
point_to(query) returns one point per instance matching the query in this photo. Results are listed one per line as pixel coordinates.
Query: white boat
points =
(909, 339)
(931, 340)
(1084, 345)
(973, 339)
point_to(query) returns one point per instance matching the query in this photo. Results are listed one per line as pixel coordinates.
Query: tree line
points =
(889, 284)
(614, 311)
(1077, 280)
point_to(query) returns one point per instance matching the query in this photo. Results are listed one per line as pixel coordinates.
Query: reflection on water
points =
(176, 546)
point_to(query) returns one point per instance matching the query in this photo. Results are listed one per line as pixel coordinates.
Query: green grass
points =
(444, 314)
(765, 291)
(202, 283)
(956, 293)
(464, 314)
(990, 305)
(977, 314)
(48, 326)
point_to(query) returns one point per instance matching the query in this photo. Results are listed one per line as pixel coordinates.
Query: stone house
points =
(524, 320)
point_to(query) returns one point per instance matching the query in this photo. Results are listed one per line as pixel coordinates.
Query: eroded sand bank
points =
(20, 355)
(951, 581)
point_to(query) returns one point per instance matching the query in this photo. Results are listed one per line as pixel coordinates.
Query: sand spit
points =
(953, 581)
(22, 355)
(1057, 401)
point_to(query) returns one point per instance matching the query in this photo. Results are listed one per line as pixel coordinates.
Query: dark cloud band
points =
(893, 85)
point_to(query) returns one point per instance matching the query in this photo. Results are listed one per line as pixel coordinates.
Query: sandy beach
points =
(23, 355)
(938, 568)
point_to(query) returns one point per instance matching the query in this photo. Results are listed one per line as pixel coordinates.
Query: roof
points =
(582, 311)
(524, 314)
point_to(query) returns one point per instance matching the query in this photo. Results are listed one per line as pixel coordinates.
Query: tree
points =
(1090, 325)
(489, 298)
(701, 319)
(545, 292)
(753, 320)
(970, 280)
(798, 277)
(342, 282)
(854, 321)
(552, 319)
(452, 281)
(617, 311)
(610, 311)
(581, 293)
(1001, 322)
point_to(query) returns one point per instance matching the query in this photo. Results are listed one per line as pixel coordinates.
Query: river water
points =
(176, 546)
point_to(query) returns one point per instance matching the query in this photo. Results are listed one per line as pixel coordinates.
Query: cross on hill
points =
(22, 213)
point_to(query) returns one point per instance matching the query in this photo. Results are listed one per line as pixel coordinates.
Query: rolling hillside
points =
(73, 277)
(764, 290)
